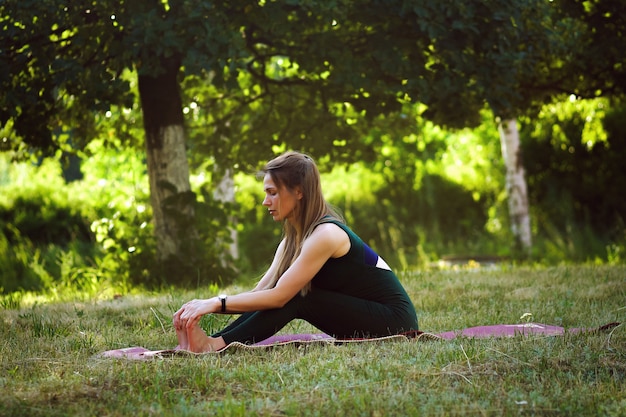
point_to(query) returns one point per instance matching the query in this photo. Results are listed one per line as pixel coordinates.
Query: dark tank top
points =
(356, 274)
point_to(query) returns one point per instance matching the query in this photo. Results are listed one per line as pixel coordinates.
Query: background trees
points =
(224, 85)
(63, 62)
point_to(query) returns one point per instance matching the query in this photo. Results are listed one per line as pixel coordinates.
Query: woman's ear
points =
(299, 193)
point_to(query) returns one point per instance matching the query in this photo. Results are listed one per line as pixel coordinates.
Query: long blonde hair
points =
(291, 171)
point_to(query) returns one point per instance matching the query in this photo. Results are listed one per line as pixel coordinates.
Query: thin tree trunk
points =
(225, 192)
(168, 168)
(515, 184)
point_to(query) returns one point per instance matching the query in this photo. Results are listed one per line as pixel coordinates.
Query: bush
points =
(76, 235)
(96, 234)
(44, 217)
(40, 222)
(574, 164)
(15, 265)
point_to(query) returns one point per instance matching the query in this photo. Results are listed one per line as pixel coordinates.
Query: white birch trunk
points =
(225, 192)
(516, 188)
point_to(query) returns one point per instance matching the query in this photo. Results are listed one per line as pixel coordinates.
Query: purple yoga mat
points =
(508, 330)
(497, 330)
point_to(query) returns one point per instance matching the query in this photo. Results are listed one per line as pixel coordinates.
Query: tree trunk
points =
(515, 184)
(225, 192)
(168, 168)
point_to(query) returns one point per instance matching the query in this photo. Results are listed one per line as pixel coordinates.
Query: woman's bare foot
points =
(183, 342)
(199, 341)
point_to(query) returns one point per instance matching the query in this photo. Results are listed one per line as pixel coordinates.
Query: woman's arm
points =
(326, 241)
(263, 282)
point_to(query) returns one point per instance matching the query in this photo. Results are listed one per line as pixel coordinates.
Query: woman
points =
(322, 273)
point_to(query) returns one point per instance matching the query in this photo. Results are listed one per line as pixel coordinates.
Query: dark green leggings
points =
(336, 314)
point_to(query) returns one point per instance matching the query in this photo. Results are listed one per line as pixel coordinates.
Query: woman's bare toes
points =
(183, 342)
(198, 341)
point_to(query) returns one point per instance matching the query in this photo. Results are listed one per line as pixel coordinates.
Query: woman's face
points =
(280, 202)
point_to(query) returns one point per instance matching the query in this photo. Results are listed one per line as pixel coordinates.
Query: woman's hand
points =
(191, 312)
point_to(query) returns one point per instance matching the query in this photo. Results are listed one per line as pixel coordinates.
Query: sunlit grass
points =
(48, 364)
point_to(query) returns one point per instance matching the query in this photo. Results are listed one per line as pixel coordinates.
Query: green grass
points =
(48, 367)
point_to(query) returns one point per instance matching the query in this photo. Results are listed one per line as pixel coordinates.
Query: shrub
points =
(576, 179)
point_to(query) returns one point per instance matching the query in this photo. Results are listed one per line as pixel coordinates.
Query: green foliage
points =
(409, 226)
(305, 60)
(15, 270)
(42, 229)
(423, 196)
(410, 208)
(574, 161)
(594, 31)
(95, 235)
(204, 259)
(65, 63)
(124, 229)
(312, 75)
(48, 226)
(42, 217)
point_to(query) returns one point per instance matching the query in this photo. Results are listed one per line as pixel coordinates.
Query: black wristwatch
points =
(222, 298)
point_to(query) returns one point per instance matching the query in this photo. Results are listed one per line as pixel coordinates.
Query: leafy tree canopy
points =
(61, 62)
(305, 69)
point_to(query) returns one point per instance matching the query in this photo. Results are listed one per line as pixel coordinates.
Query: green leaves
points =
(451, 56)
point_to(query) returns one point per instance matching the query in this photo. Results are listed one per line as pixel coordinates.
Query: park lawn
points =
(48, 365)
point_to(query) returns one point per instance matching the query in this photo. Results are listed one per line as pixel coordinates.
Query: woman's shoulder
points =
(329, 233)
(338, 224)
(328, 228)
(333, 237)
